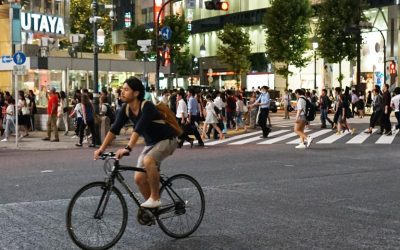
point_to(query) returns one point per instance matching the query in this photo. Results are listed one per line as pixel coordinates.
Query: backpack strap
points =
(141, 109)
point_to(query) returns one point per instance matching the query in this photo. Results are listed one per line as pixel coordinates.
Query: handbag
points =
(290, 108)
(97, 119)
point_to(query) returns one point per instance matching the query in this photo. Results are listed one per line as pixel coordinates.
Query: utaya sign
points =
(42, 23)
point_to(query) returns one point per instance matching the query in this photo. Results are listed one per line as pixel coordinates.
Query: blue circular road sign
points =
(166, 33)
(19, 58)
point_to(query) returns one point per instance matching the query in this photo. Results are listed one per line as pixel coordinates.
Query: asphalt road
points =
(333, 196)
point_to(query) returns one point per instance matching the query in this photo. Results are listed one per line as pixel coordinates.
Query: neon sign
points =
(42, 23)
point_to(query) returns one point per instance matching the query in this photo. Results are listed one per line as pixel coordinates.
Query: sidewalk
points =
(34, 141)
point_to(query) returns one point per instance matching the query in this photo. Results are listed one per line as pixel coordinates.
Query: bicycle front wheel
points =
(183, 206)
(97, 216)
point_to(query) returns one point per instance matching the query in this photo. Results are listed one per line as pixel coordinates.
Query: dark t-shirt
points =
(143, 124)
(386, 99)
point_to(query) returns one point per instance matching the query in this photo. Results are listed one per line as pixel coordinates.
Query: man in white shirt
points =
(395, 103)
(354, 100)
(181, 117)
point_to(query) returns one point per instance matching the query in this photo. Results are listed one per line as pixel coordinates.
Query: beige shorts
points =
(158, 152)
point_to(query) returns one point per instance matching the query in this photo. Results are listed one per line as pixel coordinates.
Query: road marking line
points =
(360, 138)
(386, 139)
(333, 138)
(258, 138)
(47, 171)
(281, 138)
(313, 135)
(232, 138)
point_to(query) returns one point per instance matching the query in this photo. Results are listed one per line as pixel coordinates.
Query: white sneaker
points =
(85, 140)
(301, 145)
(150, 203)
(74, 137)
(309, 140)
(5, 139)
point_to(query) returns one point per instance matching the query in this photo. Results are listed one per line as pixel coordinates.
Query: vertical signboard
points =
(157, 9)
(16, 24)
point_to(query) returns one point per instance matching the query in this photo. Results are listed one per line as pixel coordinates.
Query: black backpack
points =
(310, 110)
(110, 113)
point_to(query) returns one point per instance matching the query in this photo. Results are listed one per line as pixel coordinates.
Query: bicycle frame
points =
(116, 174)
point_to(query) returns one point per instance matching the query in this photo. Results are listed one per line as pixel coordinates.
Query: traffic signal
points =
(216, 5)
(392, 68)
(165, 56)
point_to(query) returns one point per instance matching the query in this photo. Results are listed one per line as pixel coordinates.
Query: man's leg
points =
(323, 118)
(54, 125)
(49, 126)
(153, 176)
(397, 114)
(262, 121)
(143, 185)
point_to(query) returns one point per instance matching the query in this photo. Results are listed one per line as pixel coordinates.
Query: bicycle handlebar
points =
(110, 154)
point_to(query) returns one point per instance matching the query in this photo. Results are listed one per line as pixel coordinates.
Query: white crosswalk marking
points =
(258, 138)
(387, 139)
(360, 138)
(313, 135)
(233, 138)
(333, 138)
(280, 138)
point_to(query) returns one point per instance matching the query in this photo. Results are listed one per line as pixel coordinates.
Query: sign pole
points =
(16, 109)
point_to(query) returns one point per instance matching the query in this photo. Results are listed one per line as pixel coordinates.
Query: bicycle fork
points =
(103, 201)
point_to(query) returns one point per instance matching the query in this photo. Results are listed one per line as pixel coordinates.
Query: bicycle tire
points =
(84, 201)
(180, 209)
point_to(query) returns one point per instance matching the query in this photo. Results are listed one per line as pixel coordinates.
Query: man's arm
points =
(107, 140)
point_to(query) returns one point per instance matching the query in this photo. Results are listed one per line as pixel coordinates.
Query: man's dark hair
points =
(191, 91)
(338, 90)
(325, 91)
(299, 92)
(136, 85)
(396, 90)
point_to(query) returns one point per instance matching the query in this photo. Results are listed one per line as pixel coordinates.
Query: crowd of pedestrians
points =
(202, 114)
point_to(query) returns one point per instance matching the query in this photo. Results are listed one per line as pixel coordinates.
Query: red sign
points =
(392, 68)
(157, 9)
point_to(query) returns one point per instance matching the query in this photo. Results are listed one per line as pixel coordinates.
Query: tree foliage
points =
(235, 49)
(79, 23)
(180, 35)
(135, 33)
(288, 27)
(336, 17)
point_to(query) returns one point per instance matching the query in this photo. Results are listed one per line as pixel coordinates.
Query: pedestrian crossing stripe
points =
(258, 138)
(360, 138)
(313, 135)
(333, 138)
(281, 138)
(285, 134)
(384, 139)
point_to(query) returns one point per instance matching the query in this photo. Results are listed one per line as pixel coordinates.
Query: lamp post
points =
(315, 47)
(157, 41)
(94, 20)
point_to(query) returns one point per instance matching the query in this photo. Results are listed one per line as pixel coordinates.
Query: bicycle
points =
(97, 215)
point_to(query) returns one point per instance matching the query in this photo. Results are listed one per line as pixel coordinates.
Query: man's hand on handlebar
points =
(121, 152)
(97, 154)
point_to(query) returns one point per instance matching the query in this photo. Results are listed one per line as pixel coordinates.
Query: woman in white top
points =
(9, 119)
(62, 113)
(301, 120)
(24, 114)
(211, 118)
(181, 115)
(395, 103)
(239, 113)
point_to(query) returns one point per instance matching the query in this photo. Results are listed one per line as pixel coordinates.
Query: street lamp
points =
(315, 47)
(202, 50)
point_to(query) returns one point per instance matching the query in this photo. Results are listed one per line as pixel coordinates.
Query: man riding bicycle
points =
(160, 141)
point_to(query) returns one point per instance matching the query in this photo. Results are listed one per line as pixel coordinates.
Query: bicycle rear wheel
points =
(87, 225)
(183, 206)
